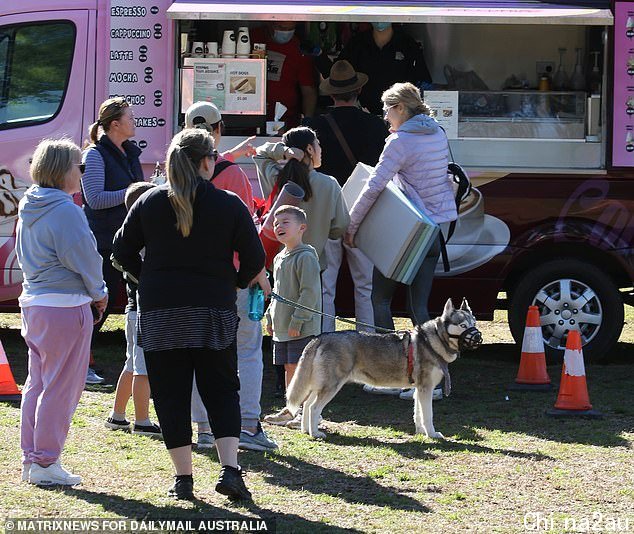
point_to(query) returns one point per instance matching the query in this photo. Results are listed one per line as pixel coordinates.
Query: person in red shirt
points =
(290, 75)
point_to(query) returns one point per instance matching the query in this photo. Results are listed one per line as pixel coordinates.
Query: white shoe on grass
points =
(381, 391)
(408, 394)
(53, 475)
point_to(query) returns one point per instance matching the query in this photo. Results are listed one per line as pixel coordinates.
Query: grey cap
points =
(202, 113)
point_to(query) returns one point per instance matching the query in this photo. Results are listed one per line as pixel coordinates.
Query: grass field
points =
(503, 464)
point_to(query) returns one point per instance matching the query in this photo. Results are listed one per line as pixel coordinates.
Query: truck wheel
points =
(570, 294)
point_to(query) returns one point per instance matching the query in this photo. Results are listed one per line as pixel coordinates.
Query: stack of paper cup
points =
(211, 49)
(229, 44)
(198, 49)
(243, 46)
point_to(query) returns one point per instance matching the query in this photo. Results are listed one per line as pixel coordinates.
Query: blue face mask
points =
(283, 37)
(381, 26)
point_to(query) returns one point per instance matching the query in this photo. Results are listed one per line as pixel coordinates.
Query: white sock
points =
(143, 422)
(117, 416)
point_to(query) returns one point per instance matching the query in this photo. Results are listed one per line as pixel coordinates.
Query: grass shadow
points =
(138, 509)
(296, 474)
(421, 450)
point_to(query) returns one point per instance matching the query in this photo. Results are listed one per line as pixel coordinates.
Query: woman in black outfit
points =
(187, 301)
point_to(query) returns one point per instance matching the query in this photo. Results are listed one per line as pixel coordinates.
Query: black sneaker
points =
(183, 488)
(117, 424)
(152, 430)
(230, 483)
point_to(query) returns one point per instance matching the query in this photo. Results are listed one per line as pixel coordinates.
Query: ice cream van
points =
(537, 99)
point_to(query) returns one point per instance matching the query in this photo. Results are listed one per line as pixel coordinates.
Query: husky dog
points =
(404, 359)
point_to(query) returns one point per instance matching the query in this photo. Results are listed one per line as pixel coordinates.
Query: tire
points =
(570, 293)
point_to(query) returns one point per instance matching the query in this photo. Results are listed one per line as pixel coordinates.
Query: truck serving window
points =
(35, 64)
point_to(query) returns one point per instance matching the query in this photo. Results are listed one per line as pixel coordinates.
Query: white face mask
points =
(282, 36)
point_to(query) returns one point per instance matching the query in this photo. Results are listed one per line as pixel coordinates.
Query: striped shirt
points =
(93, 183)
(187, 327)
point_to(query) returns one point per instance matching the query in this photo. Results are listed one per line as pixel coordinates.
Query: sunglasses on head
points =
(214, 155)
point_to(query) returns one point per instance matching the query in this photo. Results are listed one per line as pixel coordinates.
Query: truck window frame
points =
(9, 32)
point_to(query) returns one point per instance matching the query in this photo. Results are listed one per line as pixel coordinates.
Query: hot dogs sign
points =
(236, 86)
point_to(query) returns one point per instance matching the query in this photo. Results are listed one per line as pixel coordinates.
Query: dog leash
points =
(299, 306)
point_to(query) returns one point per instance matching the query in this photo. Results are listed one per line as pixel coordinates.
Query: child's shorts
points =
(289, 351)
(135, 359)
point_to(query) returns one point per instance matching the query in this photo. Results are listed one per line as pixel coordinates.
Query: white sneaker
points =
(381, 391)
(280, 418)
(25, 472)
(93, 378)
(52, 475)
(408, 394)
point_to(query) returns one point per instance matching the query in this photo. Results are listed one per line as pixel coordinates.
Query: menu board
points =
(444, 106)
(141, 57)
(623, 113)
(236, 86)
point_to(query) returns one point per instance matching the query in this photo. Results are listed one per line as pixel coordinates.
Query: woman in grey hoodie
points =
(61, 267)
(415, 157)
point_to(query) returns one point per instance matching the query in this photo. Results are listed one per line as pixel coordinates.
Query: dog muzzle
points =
(469, 339)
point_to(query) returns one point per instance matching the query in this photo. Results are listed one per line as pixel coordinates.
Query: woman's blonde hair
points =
(111, 110)
(408, 95)
(186, 151)
(52, 159)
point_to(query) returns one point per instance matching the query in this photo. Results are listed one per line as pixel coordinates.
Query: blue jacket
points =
(56, 250)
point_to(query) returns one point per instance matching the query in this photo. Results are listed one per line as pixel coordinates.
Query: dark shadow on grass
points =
(297, 474)
(420, 450)
(137, 509)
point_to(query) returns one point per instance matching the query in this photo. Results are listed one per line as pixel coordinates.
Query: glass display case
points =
(522, 114)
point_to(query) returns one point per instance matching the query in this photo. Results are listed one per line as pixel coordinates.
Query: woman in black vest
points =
(112, 164)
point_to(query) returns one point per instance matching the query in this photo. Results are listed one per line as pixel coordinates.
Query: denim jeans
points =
(417, 293)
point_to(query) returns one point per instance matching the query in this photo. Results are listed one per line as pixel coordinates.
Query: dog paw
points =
(318, 435)
(435, 435)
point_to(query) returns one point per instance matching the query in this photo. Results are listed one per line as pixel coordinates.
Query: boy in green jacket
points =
(296, 275)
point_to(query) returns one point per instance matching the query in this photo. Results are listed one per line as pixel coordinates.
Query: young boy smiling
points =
(296, 275)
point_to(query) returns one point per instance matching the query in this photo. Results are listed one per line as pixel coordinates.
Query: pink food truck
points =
(537, 99)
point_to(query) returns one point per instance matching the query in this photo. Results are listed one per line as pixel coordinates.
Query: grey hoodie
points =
(55, 247)
(296, 275)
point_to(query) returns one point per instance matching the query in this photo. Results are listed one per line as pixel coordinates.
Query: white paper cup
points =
(211, 49)
(198, 49)
(229, 44)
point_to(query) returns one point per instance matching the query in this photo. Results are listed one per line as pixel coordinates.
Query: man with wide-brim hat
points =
(343, 79)
(364, 136)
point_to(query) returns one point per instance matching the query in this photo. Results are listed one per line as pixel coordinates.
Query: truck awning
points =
(590, 13)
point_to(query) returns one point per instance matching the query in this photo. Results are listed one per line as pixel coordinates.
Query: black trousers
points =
(171, 374)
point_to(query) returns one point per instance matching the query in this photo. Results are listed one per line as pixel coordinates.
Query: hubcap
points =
(565, 305)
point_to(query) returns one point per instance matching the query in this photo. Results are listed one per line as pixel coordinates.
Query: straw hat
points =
(343, 79)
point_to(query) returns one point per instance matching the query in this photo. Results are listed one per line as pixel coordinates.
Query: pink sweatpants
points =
(59, 349)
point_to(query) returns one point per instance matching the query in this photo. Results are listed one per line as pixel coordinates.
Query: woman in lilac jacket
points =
(415, 157)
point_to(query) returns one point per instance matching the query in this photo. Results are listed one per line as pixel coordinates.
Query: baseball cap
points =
(201, 113)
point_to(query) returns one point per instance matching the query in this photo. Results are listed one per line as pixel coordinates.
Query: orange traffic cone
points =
(9, 391)
(573, 399)
(532, 374)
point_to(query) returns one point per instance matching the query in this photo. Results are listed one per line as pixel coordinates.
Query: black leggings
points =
(171, 374)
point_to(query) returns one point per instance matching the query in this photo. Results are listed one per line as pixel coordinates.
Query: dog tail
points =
(299, 388)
